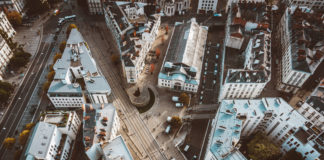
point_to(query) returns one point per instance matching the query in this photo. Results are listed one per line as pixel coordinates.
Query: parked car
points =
(216, 56)
(169, 119)
(167, 129)
(175, 98)
(179, 104)
(186, 148)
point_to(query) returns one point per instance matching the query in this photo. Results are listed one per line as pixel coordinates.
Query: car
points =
(179, 105)
(216, 56)
(186, 148)
(215, 72)
(214, 81)
(175, 98)
(169, 119)
(167, 129)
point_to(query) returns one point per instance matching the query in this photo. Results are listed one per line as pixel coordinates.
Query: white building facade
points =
(5, 56)
(13, 5)
(299, 60)
(207, 5)
(95, 7)
(315, 4)
(6, 26)
(172, 7)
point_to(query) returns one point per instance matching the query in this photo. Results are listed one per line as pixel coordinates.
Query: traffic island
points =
(142, 97)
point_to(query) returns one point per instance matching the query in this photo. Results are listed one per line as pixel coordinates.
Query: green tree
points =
(50, 76)
(115, 58)
(261, 148)
(14, 17)
(62, 46)
(4, 96)
(36, 6)
(46, 86)
(56, 57)
(293, 155)
(71, 26)
(9, 142)
(184, 98)
(176, 121)
(23, 136)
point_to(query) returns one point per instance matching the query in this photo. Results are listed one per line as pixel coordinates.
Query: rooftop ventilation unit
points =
(76, 85)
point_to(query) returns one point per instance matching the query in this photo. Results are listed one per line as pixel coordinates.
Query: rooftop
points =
(249, 21)
(77, 63)
(316, 99)
(97, 123)
(307, 45)
(40, 141)
(185, 52)
(117, 149)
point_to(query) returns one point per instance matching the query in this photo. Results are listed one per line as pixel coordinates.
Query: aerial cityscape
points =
(161, 80)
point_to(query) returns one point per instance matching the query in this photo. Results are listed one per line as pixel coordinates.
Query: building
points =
(302, 46)
(5, 56)
(307, 141)
(95, 7)
(13, 5)
(181, 70)
(248, 74)
(313, 108)
(48, 143)
(207, 5)
(77, 78)
(116, 149)
(237, 119)
(5, 25)
(314, 4)
(67, 122)
(172, 7)
(100, 125)
(134, 33)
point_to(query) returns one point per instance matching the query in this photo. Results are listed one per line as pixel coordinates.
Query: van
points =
(175, 98)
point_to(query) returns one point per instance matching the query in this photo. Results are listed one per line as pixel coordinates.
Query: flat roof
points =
(316, 99)
(117, 148)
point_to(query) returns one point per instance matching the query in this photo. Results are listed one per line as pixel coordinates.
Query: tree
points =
(162, 39)
(9, 142)
(157, 52)
(71, 26)
(184, 98)
(29, 126)
(176, 121)
(134, 33)
(293, 155)
(14, 17)
(6, 86)
(115, 58)
(62, 46)
(4, 96)
(46, 86)
(17, 62)
(51, 67)
(152, 68)
(50, 76)
(36, 6)
(23, 136)
(56, 57)
(261, 148)
(166, 29)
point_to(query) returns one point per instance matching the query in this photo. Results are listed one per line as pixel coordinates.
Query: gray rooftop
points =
(316, 99)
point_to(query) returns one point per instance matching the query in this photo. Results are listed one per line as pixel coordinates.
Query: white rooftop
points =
(117, 150)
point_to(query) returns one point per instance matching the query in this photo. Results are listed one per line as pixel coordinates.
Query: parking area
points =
(209, 85)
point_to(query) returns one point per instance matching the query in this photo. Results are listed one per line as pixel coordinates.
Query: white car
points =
(179, 105)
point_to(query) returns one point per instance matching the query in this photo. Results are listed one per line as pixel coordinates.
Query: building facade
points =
(245, 32)
(48, 142)
(181, 69)
(301, 47)
(5, 25)
(77, 78)
(315, 4)
(172, 7)
(134, 34)
(95, 7)
(13, 5)
(274, 117)
(313, 108)
(100, 125)
(207, 5)
(5, 56)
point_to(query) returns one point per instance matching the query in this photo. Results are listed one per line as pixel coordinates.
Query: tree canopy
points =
(261, 148)
(9, 142)
(293, 155)
(36, 6)
(62, 46)
(184, 98)
(71, 26)
(176, 121)
(14, 17)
